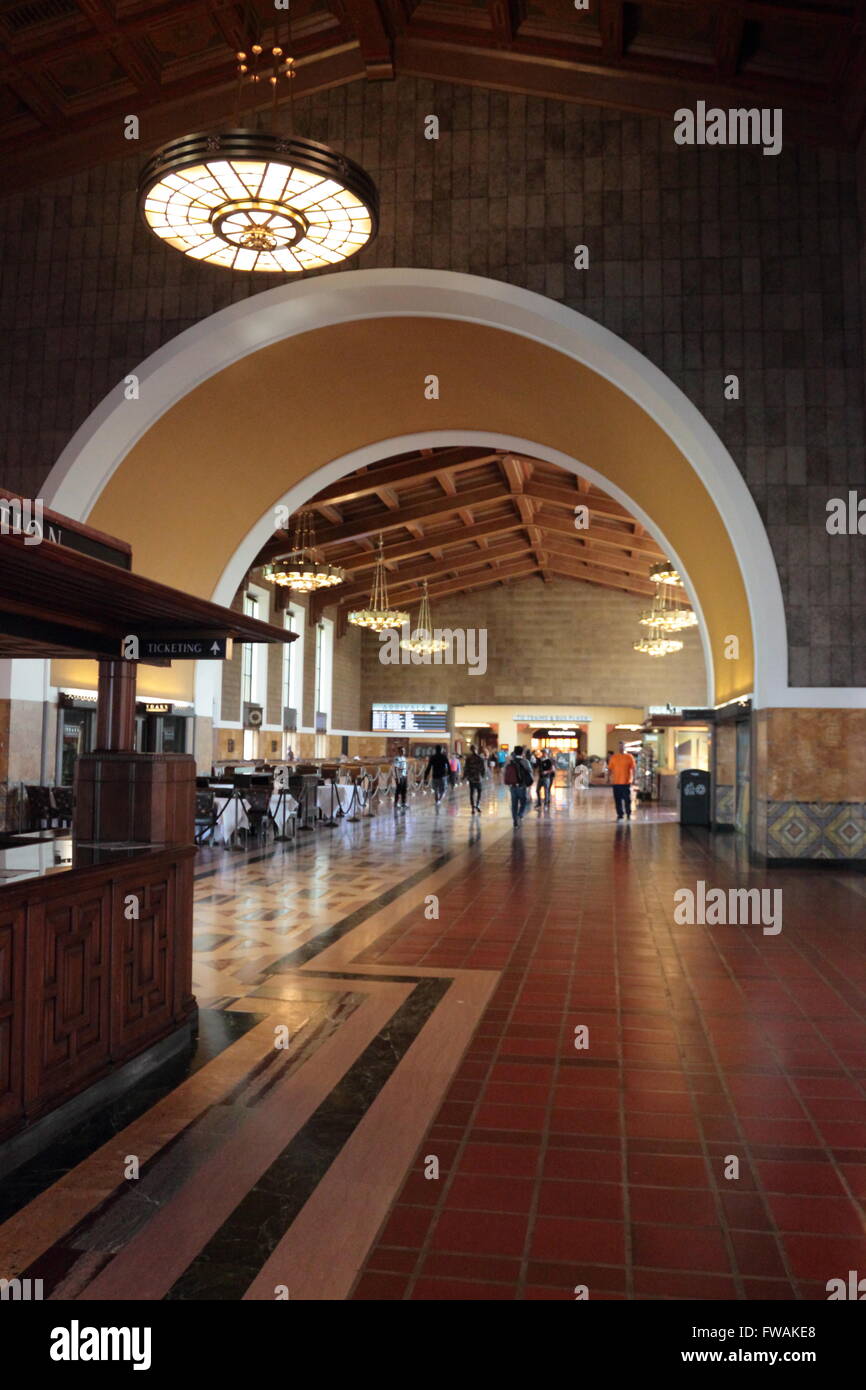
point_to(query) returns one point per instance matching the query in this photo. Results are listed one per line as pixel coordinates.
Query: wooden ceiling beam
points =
(412, 576)
(415, 469)
(644, 86)
(611, 24)
(418, 511)
(602, 535)
(370, 25)
(427, 544)
(589, 575)
(511, 468)
(561, 495)
(728, 38)
(138, 68)
(506, 17)
(583, 551)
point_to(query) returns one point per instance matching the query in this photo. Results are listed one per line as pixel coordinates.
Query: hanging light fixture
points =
(657, 645)
(422, 639)
(301, 569)
(663, 572)
(259, 200)
(668, 613)
(379, 615)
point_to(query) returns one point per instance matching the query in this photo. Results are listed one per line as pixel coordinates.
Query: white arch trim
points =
(114, 427)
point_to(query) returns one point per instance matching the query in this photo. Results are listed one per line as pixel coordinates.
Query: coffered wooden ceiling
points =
(465, 519)
(70, 70)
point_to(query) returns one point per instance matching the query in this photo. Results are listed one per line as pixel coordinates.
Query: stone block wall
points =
(562, 642)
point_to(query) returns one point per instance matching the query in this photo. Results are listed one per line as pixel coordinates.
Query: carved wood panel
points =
(68, 1028)
(12, 939)
(143, 967)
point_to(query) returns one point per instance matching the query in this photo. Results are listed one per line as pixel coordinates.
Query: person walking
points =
(438, 767)
(518, 778)
(621, 769)
(546, 770)
(400, 767)
(474, 772)
(453, 770)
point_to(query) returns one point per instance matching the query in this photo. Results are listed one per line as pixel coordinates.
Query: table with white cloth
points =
(332, 798)
(282, 807)
(231, 812)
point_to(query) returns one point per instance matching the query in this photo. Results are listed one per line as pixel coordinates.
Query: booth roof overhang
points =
(55, 602)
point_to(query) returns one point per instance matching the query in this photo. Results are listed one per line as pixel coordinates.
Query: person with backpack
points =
(438, 767)
(518, 778)
(474, 773)
(546, 770)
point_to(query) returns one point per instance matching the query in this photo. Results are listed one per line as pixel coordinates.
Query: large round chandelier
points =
(422, 639)
(258, 200)
(379, 615)
(301, 569)
(253, 200)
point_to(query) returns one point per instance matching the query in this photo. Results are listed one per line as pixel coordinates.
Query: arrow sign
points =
(185, 648)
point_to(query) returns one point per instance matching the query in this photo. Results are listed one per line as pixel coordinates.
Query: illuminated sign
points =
(410, 719)
(552, 718)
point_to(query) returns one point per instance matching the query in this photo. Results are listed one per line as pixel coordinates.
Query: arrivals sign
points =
(185, 648)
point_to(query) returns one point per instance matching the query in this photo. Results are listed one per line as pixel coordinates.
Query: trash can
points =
(694, 797)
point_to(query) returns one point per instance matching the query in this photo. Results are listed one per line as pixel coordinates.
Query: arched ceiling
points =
(467, 518)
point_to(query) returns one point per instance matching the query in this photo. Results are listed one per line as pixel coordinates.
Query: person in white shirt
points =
(400, 766)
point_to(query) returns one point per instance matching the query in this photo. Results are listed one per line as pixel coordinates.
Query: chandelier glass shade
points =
(378, 616)
(422, 639)
(663, 572)
(656, 644)
(258, 201)
(301, 569)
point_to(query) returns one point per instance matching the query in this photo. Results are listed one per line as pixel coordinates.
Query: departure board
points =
(410, 719)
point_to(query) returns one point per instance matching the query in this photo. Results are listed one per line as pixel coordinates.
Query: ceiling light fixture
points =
(257, 200)
(422, 639)
(301, 569)
(379, 615)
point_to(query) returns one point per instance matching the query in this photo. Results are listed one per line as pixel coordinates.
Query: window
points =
(324, 668)
(249, 652)
(253, 667)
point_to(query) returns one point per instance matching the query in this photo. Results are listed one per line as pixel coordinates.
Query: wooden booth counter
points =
(95, 965)
(96, 926)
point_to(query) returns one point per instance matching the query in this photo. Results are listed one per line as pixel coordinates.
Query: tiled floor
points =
(436, 1126)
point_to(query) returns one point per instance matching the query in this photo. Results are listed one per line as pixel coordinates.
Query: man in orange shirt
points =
(621, 768)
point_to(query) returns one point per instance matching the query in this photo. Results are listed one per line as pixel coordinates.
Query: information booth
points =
(96, 920)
